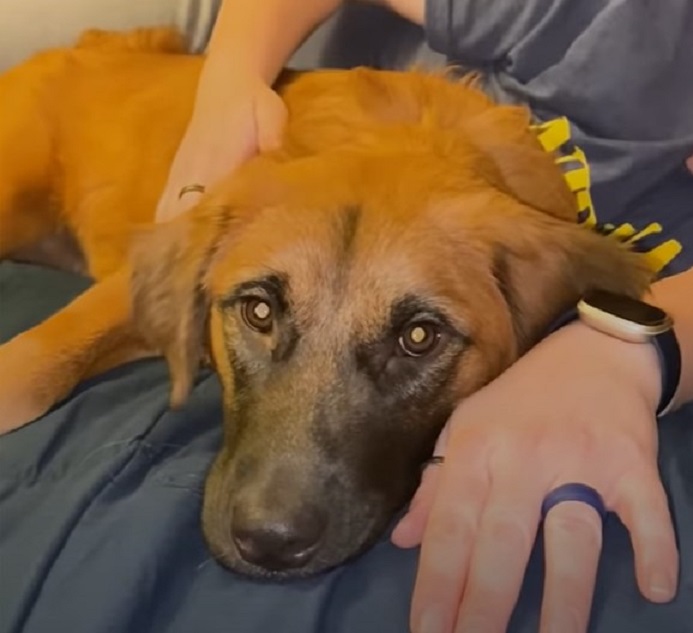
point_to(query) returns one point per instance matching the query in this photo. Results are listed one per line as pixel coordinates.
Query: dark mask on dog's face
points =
(340, 366)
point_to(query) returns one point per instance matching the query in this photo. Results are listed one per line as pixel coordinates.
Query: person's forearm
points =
(412, 10)
(675, 296)
(257, 37)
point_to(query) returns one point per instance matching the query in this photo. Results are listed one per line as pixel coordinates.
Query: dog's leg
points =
(105, 243)
(41, 366)
(27, 212)
(21, 223)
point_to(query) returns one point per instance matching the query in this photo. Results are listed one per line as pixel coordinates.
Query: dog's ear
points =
(517, 162)
(542, 259)
(169, 263)
(169, 302)
(543, 266)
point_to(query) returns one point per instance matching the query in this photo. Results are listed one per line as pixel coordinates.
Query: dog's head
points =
(351, 289)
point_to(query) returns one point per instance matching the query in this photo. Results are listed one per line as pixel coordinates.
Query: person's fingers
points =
(170, 208)
(572, 546)
(641, 503)
(208, 153)
(410, 529)
(185, 202)
(172, 203)
(689, 164)
(447, 545)
(505, 538)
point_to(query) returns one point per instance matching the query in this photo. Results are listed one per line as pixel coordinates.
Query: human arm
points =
(236, 112)
(579, 407)
(257, 38)
(412, 10)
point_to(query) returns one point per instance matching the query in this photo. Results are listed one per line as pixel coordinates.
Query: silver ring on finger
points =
(193, 188)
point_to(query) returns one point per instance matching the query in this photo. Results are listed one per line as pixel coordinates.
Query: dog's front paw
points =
(31, 382)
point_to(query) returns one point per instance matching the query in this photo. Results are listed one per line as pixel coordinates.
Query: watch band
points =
(668, 352)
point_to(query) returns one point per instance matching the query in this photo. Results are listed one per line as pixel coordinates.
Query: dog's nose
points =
(275, 543)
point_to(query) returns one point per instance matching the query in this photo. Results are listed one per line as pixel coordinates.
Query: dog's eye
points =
(419, 339)
(257, 314)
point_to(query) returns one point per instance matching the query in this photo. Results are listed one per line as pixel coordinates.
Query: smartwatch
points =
(635, 321)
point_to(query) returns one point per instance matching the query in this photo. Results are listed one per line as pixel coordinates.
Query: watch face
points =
(627, 308)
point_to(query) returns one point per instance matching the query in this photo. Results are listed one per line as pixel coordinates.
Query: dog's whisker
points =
(214, 558)
(204, 563)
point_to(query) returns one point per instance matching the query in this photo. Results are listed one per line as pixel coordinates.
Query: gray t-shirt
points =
(621, 71)
(613, 79)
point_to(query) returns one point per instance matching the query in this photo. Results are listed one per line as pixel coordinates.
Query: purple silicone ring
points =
(574, 492)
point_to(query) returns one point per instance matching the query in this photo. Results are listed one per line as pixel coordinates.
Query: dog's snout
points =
(277, 541)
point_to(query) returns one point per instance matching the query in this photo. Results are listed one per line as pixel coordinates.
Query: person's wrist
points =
(219, 92)
(636, 363)
(229, 71)
(218, 83)
(412, 10)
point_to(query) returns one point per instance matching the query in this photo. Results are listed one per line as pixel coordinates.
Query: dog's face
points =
(343, 336)
(350, 299)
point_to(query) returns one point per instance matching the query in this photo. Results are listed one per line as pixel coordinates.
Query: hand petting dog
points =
(236, 113)
(232, 120)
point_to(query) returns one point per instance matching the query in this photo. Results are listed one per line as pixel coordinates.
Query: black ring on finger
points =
(436, 460)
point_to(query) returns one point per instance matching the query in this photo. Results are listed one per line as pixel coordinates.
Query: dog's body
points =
(407, 243)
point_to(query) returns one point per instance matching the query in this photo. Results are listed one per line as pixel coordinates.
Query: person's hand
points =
(689, 164)
(578, 408)
(233, 119)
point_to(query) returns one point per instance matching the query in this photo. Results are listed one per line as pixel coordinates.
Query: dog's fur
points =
(396, 198)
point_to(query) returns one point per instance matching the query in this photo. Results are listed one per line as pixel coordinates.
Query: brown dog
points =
(405, 245)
